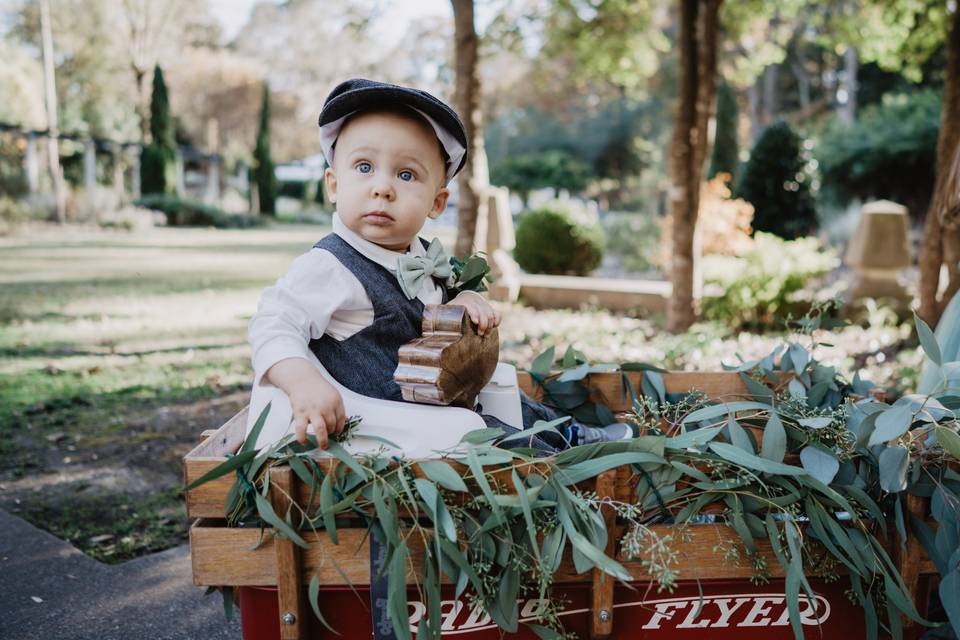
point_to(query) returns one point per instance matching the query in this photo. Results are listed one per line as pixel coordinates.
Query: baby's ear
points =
(330, 185)
(439, 203)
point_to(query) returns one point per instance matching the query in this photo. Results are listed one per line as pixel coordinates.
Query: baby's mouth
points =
(378, 218)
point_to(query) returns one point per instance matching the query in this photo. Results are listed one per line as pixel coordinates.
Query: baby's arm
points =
(314, 400)
(291, 313)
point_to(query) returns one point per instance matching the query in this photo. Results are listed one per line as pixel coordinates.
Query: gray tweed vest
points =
(365, 361)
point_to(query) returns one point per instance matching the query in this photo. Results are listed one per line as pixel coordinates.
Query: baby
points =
(391, 152)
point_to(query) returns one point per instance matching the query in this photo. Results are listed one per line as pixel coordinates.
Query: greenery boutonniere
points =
(469, 274)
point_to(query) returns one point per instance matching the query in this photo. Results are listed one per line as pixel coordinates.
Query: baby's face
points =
(387, 178)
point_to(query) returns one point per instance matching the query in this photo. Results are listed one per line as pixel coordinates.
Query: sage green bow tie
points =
(413, 271)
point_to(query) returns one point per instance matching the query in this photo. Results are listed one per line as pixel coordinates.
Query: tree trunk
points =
(771, 76)
(753, 108)
(688, 151)
(473, 179)
(848, 109)
(941, 231)
(53, 128)
(799, 67)
(142, 107)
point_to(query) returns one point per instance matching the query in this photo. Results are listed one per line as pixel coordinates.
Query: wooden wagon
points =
(715, 598)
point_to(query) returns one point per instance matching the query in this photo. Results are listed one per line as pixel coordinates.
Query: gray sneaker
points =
(609, 433)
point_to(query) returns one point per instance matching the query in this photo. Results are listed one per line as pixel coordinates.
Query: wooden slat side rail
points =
(608, 387)
(226, 439)
(208, 500)
(601, 610)
(225, 556)
(289, 567)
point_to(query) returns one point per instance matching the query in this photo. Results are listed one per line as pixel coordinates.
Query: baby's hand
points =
(317, 402)
(479, 310)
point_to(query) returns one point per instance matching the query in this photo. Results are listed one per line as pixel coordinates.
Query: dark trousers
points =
(532, 411)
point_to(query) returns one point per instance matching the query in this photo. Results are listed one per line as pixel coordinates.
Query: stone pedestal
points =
(878, 253)
(499, 244)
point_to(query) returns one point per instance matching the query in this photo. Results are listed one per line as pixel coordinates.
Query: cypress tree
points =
(158, 159)
(775, 182)
(263, 172)
(725, 150)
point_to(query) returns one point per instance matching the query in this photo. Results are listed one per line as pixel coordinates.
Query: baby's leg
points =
(571, 432)
(534, 441)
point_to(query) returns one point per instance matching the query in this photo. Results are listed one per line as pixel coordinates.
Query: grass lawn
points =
(117, 349)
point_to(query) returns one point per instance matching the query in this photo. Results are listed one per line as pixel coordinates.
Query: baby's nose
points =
(383, 190)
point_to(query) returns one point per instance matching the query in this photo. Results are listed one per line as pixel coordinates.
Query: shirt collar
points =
(384, 257)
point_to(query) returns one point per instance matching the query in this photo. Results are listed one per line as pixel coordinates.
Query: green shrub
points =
(759, 290)
(776, 183)
(190, 213)
(551, 241)
(890, 152)
(634, 239)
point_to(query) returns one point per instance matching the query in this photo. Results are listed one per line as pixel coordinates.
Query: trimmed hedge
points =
(191, 213)
(550, 241)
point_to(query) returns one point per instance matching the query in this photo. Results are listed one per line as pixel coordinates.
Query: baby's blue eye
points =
(364, 167)
(406, 176)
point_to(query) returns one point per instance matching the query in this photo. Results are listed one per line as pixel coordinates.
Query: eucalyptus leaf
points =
(738, 437)
(714, 411)
(537, 427)
(796, 389)
(759, 391)
(479, 436)
(928, 341)
(894, 462)
(694, 438)
(443, 474)
(577, 373)
(328, 507)
(739, 456)
(656, 381)
(543, 363)
(799, 357)
(891, 424)
(313, 595)
(580, 471)
(949, 591)
(815, 423)
(223, 468)
(819, 463)
(949, 440)
(265, 509)
(774, 445)
(334, 448)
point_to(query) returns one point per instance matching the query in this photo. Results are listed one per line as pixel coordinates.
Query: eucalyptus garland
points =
(813, 463)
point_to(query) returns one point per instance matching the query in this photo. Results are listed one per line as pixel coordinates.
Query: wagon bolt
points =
(604, 615)
(288, 618)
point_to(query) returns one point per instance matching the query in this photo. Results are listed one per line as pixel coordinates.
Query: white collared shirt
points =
(318, 296)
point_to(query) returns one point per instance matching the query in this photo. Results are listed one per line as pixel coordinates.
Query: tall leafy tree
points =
(263, 170)
(158, 158)
(941, 231)
(697, 86)
(903, 35)
(474, 177)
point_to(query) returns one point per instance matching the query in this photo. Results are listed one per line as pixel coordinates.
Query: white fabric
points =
(455, 151)
(318, 296)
